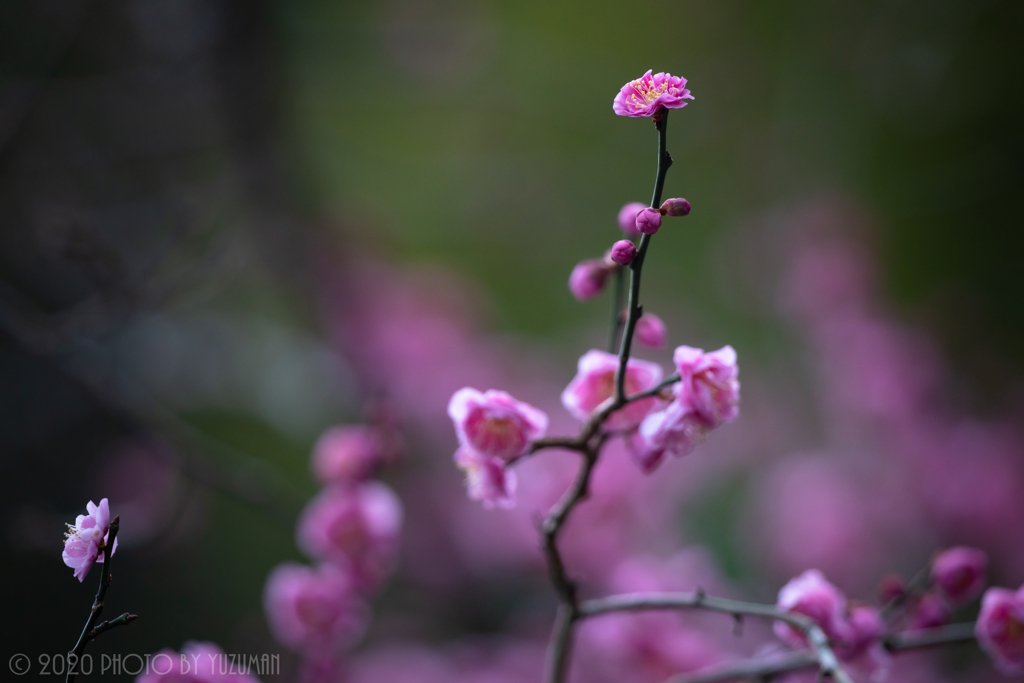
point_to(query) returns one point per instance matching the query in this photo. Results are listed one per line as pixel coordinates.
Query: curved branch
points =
(828, 663)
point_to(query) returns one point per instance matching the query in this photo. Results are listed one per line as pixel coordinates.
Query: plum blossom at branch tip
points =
(649, 93)
(86, 539)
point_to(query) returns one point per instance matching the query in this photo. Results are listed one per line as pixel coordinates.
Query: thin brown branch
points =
(768, 667)
(828, 663)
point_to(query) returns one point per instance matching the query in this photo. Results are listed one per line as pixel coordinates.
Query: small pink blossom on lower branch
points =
(355, 527)
(594, 383)
(960, 573)
(708, 383)
(488, 480)
(813, 596)
(197, 663)
(649, 93)
(315, 611)
(85, 541)
(494, 424)
(1000, 628)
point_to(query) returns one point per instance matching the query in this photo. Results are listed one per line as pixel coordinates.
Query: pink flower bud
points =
(627, 218)
(623, 252)
(1000, 628)
(313, 611)
(650, 331)
(929, 612)
(960, 573)
(675, 207)
(891, 587)
(588, 278)
(648, 221)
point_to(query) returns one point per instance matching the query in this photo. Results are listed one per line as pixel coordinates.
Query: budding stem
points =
(635, 268)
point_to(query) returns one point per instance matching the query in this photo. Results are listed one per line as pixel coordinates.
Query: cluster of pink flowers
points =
(494, 429)
(85, 542)
(351, 529)
(957, 577)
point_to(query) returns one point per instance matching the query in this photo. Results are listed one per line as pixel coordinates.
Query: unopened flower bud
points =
(960, 573)
(627, 217)
(929, 612)
(675, 207)
(648, 221)
(650, 331)
(623, 252)
(891, 587)
(588, 277)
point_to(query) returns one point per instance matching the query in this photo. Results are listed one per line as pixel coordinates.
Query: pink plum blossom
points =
(649, 93)
(494, 424)
(84, 542)
(929, 611)
(648, 221)
(623, 252)
(647, 648)
(812, 595)
(355, 527)
(197, 663)
(676, 430)
(594, 383)
(346, 454)
(488, 480)
(960, 573)
(627, 218)
(676, 206)
(1000, 628)
(708, 383)
(588, 278)
(706, 396)
(313, 610)
(651, 331)
(865, 632)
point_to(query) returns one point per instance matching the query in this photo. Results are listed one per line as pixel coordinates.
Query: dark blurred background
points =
(183, 186)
